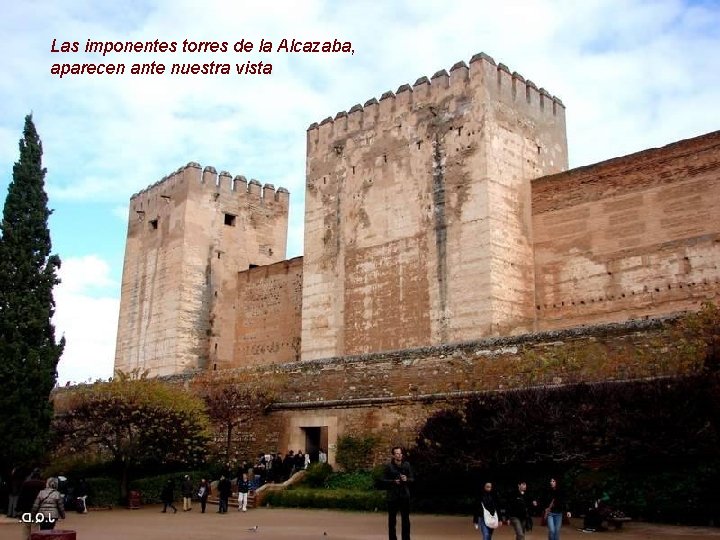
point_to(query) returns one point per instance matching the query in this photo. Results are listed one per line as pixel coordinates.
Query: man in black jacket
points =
(224, 491)
(397, 478)
(519, 506)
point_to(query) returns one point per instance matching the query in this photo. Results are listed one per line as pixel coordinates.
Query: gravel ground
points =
(148, 523)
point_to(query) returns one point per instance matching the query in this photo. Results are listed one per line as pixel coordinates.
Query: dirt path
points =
(149, 523)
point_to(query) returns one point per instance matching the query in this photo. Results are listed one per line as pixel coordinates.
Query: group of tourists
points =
(519, 509)
(267, 468)
(276, 468)
(202, 491)
(490, 514)
(50, 498)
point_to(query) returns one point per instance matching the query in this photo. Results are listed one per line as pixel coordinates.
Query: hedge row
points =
(343, 499)
(105, 491)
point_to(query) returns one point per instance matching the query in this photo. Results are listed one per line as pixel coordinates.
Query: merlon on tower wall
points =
(418, 225)
(188, 237)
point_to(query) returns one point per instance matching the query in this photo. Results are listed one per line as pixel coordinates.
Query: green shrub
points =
(354, 481)
(317, 474)
(377, 474)
(103, 491)
(355, 453)
(342, 499)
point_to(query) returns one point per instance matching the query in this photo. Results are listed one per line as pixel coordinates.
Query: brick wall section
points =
(268, 319)
(636, 236)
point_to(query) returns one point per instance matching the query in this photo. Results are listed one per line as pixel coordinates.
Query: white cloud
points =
(87, 321)
(120, 212)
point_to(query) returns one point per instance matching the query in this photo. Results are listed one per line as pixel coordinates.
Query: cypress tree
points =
(28, 351)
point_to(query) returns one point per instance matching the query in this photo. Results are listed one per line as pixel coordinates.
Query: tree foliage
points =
(632, 422)
(232, 402)
(28, 351)
(135, 421)
(623, 423)
(356, 452)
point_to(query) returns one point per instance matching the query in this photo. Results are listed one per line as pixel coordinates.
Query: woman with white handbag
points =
(487, 518)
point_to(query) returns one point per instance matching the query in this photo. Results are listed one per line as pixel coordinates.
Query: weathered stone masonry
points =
(392, 394)
(417, 212)
(447, 252)
(188, 236)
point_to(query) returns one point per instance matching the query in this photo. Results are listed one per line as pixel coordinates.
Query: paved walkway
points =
(149, 523)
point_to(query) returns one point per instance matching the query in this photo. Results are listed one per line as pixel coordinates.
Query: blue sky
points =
(632, 74)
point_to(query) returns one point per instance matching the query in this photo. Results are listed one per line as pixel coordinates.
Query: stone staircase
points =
(255, 498)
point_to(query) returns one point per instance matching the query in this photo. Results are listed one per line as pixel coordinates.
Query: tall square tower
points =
(188, 237)
(418, 226)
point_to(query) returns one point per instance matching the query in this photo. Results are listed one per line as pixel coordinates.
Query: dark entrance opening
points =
(316, 437)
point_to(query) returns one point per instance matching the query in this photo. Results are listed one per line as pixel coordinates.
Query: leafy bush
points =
(365, 501)
(317, 474)
(675, 492)
(135, 422)
(355, 453)
(354, 481)
(650, 445)
(102, 491)
(377, 473)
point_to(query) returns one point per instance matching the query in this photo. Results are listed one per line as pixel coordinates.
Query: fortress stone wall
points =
(448, 252)
(268, 323)
(632, 237)
(188, 236)
(391, 394)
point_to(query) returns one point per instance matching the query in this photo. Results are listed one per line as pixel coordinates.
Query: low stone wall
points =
(392, 394)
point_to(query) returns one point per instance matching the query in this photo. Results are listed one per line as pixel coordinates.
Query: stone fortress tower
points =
(188, 237)
(441, 214)
(418, 224)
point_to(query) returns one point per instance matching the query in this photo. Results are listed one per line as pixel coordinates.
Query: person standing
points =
(556, 507)
(243, 489)
(299, 461)
(224, 491)
(203, 494)
(49, 503)
(81, 495)
(187, 493)
(487, 518)
(288, 465)
(16, 481)
(29, 489)
(397, 478)
(519, 504)
(168, 496)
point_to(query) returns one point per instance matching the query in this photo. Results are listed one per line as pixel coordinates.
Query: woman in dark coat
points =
(555, 508)
(168, 497)
(489, 502)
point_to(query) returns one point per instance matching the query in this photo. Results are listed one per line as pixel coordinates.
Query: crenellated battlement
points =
(208, 178)
(500, 83)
